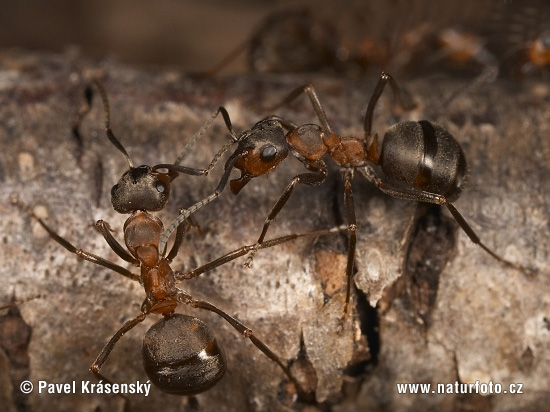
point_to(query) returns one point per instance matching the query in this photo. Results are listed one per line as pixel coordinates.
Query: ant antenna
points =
(185, 213)
(108, 130)
(202, 130)
(15, 302)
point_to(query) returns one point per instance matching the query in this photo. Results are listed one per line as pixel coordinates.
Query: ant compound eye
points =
(268, 153)
(161, 187)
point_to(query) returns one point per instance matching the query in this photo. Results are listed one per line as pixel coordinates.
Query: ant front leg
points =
(105, 230)
(180, 234)
(242, 329)
(423, 196)
(318, 176)
(243, 250)
(71, 248)
(186, 213)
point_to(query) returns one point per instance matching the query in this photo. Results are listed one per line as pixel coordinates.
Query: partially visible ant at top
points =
(298, 40)
(419, 161)
(464, 49)
(538, 52)
(180, 354)
(290, 40)
(456, 46)
(531, 57)
(457, 49)
(520, 32)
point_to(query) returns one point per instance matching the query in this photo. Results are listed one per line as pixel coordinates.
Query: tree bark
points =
(428, 305)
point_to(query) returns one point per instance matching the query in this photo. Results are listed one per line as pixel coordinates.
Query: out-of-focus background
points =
(428, 305)
(197, 34)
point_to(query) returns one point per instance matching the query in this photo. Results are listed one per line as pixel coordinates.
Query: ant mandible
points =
(180, 354)
(420, 161)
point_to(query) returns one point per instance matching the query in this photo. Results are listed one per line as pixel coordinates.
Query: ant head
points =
(141, 188)
(260, 150)
(181, 356)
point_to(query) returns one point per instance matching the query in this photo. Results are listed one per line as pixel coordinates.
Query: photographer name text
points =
(87, 387)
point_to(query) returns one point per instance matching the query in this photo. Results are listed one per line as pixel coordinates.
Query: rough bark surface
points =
(445, 311)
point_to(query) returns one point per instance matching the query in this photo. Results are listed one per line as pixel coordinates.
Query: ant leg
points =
(180, 233)
(405, 101)
(316, 103)
(378, 89)
(105, 230)
(487, 76)
(475, 238)
(242, 329)
(186, 213)
(310, 179)
(243, 250)
(352, 228)
(423, 196)
(69, 246)
(106, 351)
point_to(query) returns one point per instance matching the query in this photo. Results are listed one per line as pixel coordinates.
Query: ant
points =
(419, 161)
(535, 54)
(180, 354)
(462, 48)
(288, 40)
(521, 34)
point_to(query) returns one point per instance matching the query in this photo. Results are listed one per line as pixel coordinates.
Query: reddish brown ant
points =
(539, 49)
(419, 161)
(180, 354)
(534, 55)
(521, 35)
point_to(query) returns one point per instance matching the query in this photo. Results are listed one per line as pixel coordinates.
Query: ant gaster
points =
(420, 161)
(180, 354)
